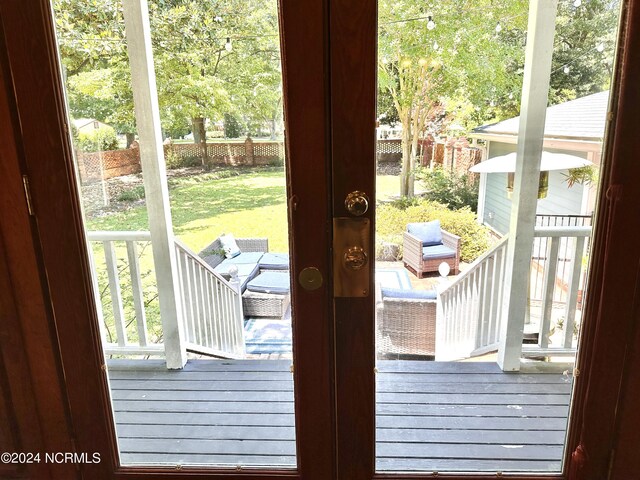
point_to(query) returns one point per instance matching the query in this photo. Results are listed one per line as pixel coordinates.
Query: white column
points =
(145, 97)
(535, 91)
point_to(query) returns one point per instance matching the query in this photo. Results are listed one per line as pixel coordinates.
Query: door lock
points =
(351, 268)
(355, 258)
(357, 203)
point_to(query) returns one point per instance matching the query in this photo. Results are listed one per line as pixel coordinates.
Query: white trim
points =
(535, 91)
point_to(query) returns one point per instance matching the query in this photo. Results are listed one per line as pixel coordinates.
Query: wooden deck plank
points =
(430, 416)
(195, 395)
(403, 409)
(464, 465)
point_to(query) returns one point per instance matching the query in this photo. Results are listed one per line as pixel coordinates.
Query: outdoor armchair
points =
(426, 246)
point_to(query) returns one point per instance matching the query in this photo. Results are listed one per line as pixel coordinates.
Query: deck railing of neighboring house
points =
(469, 317)
(469, 308)
(211, 307)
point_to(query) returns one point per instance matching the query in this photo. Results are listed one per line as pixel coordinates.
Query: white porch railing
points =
(563, 276)
(469, 317)
(128, 341)
(211, 306)
(469, 308)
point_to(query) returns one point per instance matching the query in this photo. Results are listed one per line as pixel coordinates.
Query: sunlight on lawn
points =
(249, 205)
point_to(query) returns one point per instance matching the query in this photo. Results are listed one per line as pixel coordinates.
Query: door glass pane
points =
(182, 179)
(464, 383)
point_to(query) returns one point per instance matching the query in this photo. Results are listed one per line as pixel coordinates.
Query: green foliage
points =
(449, 188)
(99, 140)
(581, 176)
(175, 161)
(232, 128)
(131, 195)
(461, 62)
(392, 222)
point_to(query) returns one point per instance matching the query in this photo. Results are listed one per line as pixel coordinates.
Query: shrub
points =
(232, 127)
(131, 195)
(104, 138)
(392, 222)
(449, 188)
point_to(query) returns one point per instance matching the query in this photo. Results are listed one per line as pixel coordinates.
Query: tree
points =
(462, 62)
(210, 61)
(447, 55)
(211, 58)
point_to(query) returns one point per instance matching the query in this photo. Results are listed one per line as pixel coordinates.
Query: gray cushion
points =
(270, 282)
(429, 233)
(414, 294)
(274, 261)
(437, 251)
(244, 269)
(245, 258)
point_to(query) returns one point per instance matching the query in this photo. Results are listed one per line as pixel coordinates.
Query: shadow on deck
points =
(431, 416)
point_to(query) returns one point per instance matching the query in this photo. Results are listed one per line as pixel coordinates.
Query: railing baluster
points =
(111, 260)
(572, 299)
(138, 296)
(549, 286)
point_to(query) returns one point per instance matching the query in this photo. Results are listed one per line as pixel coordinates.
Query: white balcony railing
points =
(128, 334)
(470, 308)
(211, 306)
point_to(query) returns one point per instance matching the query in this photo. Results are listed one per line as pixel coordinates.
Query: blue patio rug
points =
(393, 278)
(267, 335)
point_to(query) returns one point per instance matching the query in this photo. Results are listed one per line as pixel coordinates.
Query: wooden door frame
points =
(69, 309)
(600, 373)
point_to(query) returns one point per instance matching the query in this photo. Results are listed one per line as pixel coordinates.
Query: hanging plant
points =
(582, 176)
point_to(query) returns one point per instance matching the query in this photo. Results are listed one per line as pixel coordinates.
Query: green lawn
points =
(247, 203)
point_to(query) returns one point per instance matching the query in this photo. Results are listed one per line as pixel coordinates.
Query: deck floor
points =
(431, 416)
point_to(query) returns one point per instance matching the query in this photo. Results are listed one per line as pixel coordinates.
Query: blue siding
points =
(561, 200)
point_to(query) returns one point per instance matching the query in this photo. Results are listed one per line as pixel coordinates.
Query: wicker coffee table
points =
(256, 304)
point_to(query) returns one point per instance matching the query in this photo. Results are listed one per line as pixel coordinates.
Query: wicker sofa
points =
(250, 266)
(419, 259)
(405, 326)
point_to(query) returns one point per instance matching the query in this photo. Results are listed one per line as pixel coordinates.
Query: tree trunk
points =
(199, 132)
(200, 138)
(130, 138)
(272, 129)
(406, 185)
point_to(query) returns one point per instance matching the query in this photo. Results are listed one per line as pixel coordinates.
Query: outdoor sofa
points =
(405, 321)
(263, 276)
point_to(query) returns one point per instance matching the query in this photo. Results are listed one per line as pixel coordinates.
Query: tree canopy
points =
(452, 65)
(211, 58)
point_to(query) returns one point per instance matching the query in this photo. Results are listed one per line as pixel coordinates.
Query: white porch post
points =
(535, 91)
(145, 97)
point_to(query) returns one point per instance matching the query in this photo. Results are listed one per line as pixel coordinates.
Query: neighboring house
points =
(576, 128)
(86, 125)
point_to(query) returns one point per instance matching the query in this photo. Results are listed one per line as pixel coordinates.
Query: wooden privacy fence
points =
(456, 154)
(98, 166)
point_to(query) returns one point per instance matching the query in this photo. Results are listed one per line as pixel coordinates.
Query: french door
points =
(329, 54)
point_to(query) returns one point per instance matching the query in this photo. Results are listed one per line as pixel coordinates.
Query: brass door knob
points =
(355, 258)
(357, 203)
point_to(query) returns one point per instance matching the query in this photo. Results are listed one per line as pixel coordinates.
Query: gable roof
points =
(581, 119)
